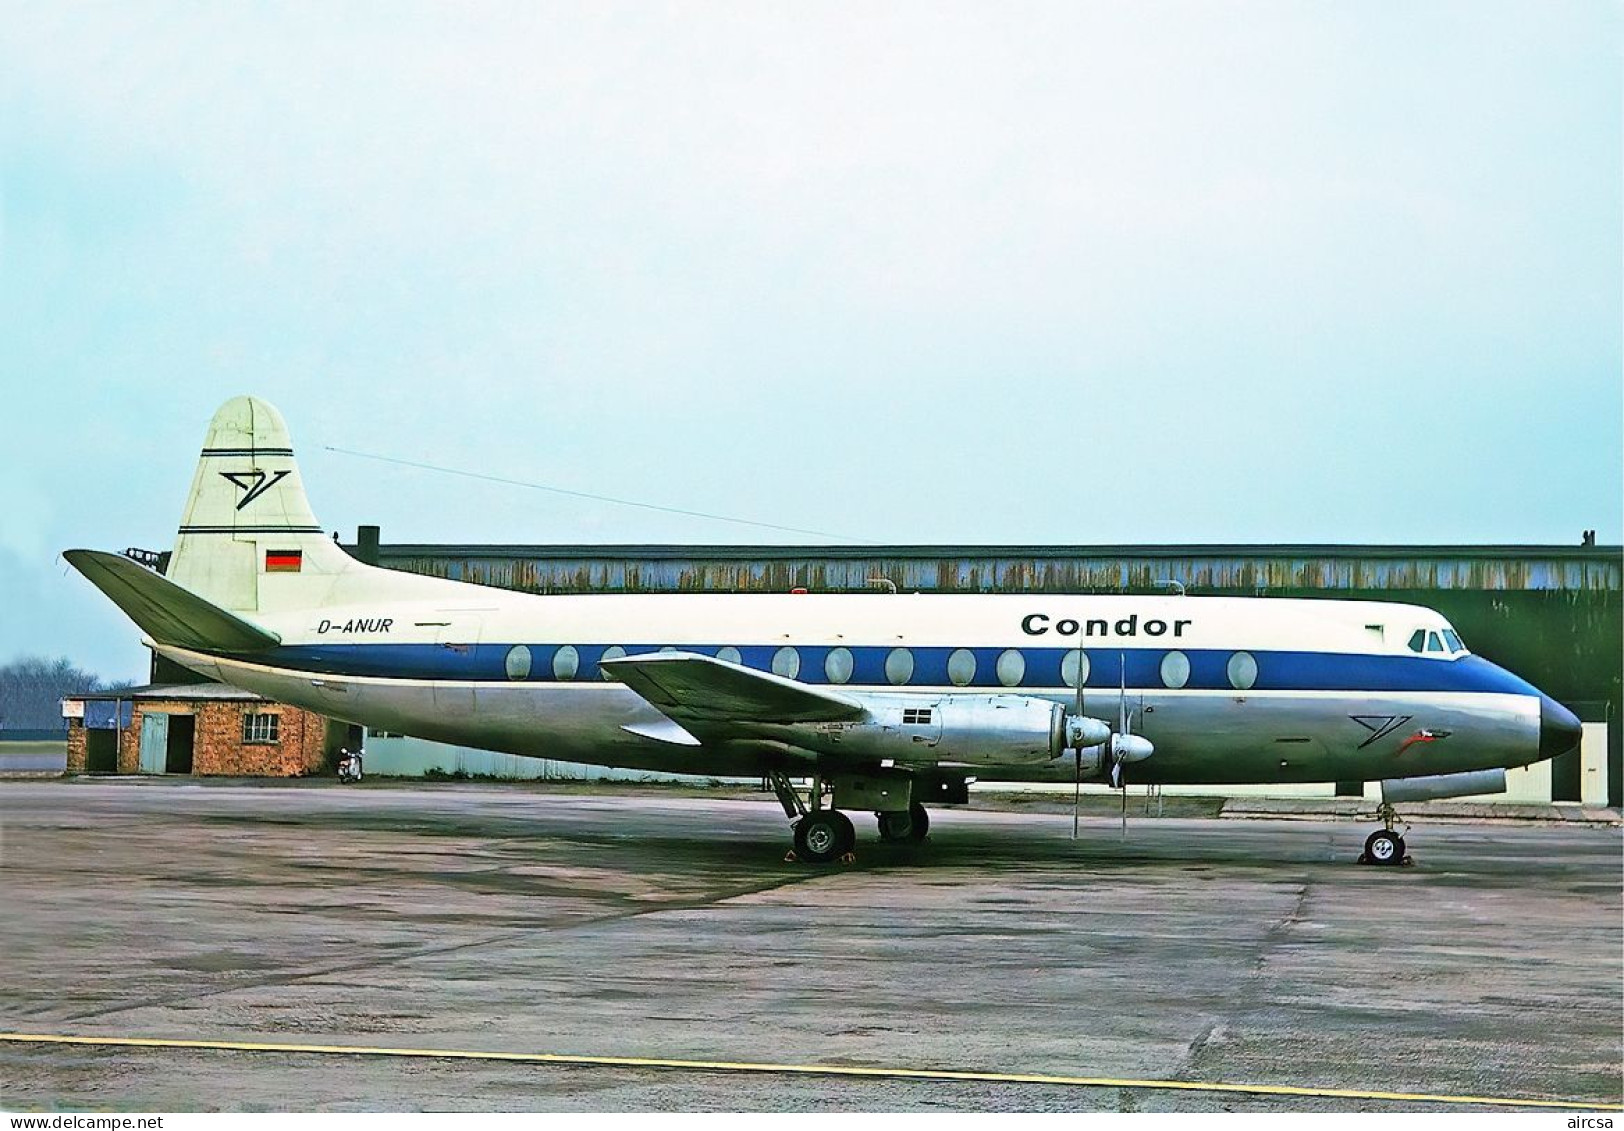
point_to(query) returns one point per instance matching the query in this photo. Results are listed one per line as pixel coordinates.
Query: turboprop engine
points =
(976, 730)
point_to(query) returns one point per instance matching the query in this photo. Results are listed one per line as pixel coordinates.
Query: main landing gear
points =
(905, 826)
(824, 834)
(821, 835)
(1384, 846)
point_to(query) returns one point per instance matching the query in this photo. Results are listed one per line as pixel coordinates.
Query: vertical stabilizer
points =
(248, 540)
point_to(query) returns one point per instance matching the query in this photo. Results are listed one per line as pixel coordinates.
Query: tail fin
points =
(248, 541)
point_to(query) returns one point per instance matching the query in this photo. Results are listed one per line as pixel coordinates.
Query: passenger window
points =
(899, 665)
(1074, 667)
(566, 662)
(1011, 667)
(838, 665)
(1175, 669)
(1418, 640)
(1242, 671)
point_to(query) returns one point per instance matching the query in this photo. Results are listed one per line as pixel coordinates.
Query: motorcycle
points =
(349, 767)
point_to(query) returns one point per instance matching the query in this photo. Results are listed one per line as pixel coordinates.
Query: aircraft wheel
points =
(895, 826)
(1384, 847)
(848, 832)
(918, 822)
(824, 835)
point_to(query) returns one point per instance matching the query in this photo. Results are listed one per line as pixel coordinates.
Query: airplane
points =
(879, 702)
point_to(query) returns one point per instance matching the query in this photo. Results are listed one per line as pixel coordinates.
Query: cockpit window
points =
(1436, 642)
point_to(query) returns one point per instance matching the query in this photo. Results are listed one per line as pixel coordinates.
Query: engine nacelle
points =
(1469, 784)
(975, 730)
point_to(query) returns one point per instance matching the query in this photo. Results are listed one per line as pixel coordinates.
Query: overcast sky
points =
(1034, 273)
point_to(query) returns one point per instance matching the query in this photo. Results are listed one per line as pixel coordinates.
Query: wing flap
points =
(165, 611)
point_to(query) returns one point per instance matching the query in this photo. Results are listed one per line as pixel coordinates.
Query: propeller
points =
(1125, 745)
(1117, 780)
(1077, 754)
(1082, 733)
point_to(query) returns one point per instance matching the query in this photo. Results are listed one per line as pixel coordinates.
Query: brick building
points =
(203, 729)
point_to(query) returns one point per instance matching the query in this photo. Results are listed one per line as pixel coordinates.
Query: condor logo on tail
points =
(255, 483)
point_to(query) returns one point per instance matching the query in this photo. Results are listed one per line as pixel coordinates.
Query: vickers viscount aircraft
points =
(881, 702)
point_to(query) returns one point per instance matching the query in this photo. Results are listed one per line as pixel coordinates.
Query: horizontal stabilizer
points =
(165, 611)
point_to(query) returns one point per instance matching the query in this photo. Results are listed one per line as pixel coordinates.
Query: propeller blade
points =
(1122, 701)
(1077, 794)
(1121, 743)
(1077, 752)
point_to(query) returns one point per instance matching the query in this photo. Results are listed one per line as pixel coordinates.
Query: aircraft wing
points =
(707, 697)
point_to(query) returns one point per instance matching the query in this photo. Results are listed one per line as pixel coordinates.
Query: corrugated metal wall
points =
(998, 569)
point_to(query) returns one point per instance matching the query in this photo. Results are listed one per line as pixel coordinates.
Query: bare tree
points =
(32, 689)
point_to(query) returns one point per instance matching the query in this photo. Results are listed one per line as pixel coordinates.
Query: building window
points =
(1011, 668)
(899, 665)
(260, 729)
(961, 666)
(837, 665)
(787, 662)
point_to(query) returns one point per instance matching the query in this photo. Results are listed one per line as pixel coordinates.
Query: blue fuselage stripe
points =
(1139, 667)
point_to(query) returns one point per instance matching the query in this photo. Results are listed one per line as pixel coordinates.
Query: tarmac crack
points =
(293, 977)
(1271, 940)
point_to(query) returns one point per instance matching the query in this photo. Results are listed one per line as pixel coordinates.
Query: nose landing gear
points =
(1384, 846)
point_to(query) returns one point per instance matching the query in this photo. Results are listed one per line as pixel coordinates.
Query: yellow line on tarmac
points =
(794, 1069)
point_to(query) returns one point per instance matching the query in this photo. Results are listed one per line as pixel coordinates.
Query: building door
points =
(154, 743)
(101, 751)
(182, 730)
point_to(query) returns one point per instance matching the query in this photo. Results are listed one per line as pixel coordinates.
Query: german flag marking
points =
(284, 561)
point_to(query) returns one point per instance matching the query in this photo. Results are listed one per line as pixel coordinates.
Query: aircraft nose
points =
(1559, 728)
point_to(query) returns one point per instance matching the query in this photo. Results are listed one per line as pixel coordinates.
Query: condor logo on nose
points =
(1037, 624)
